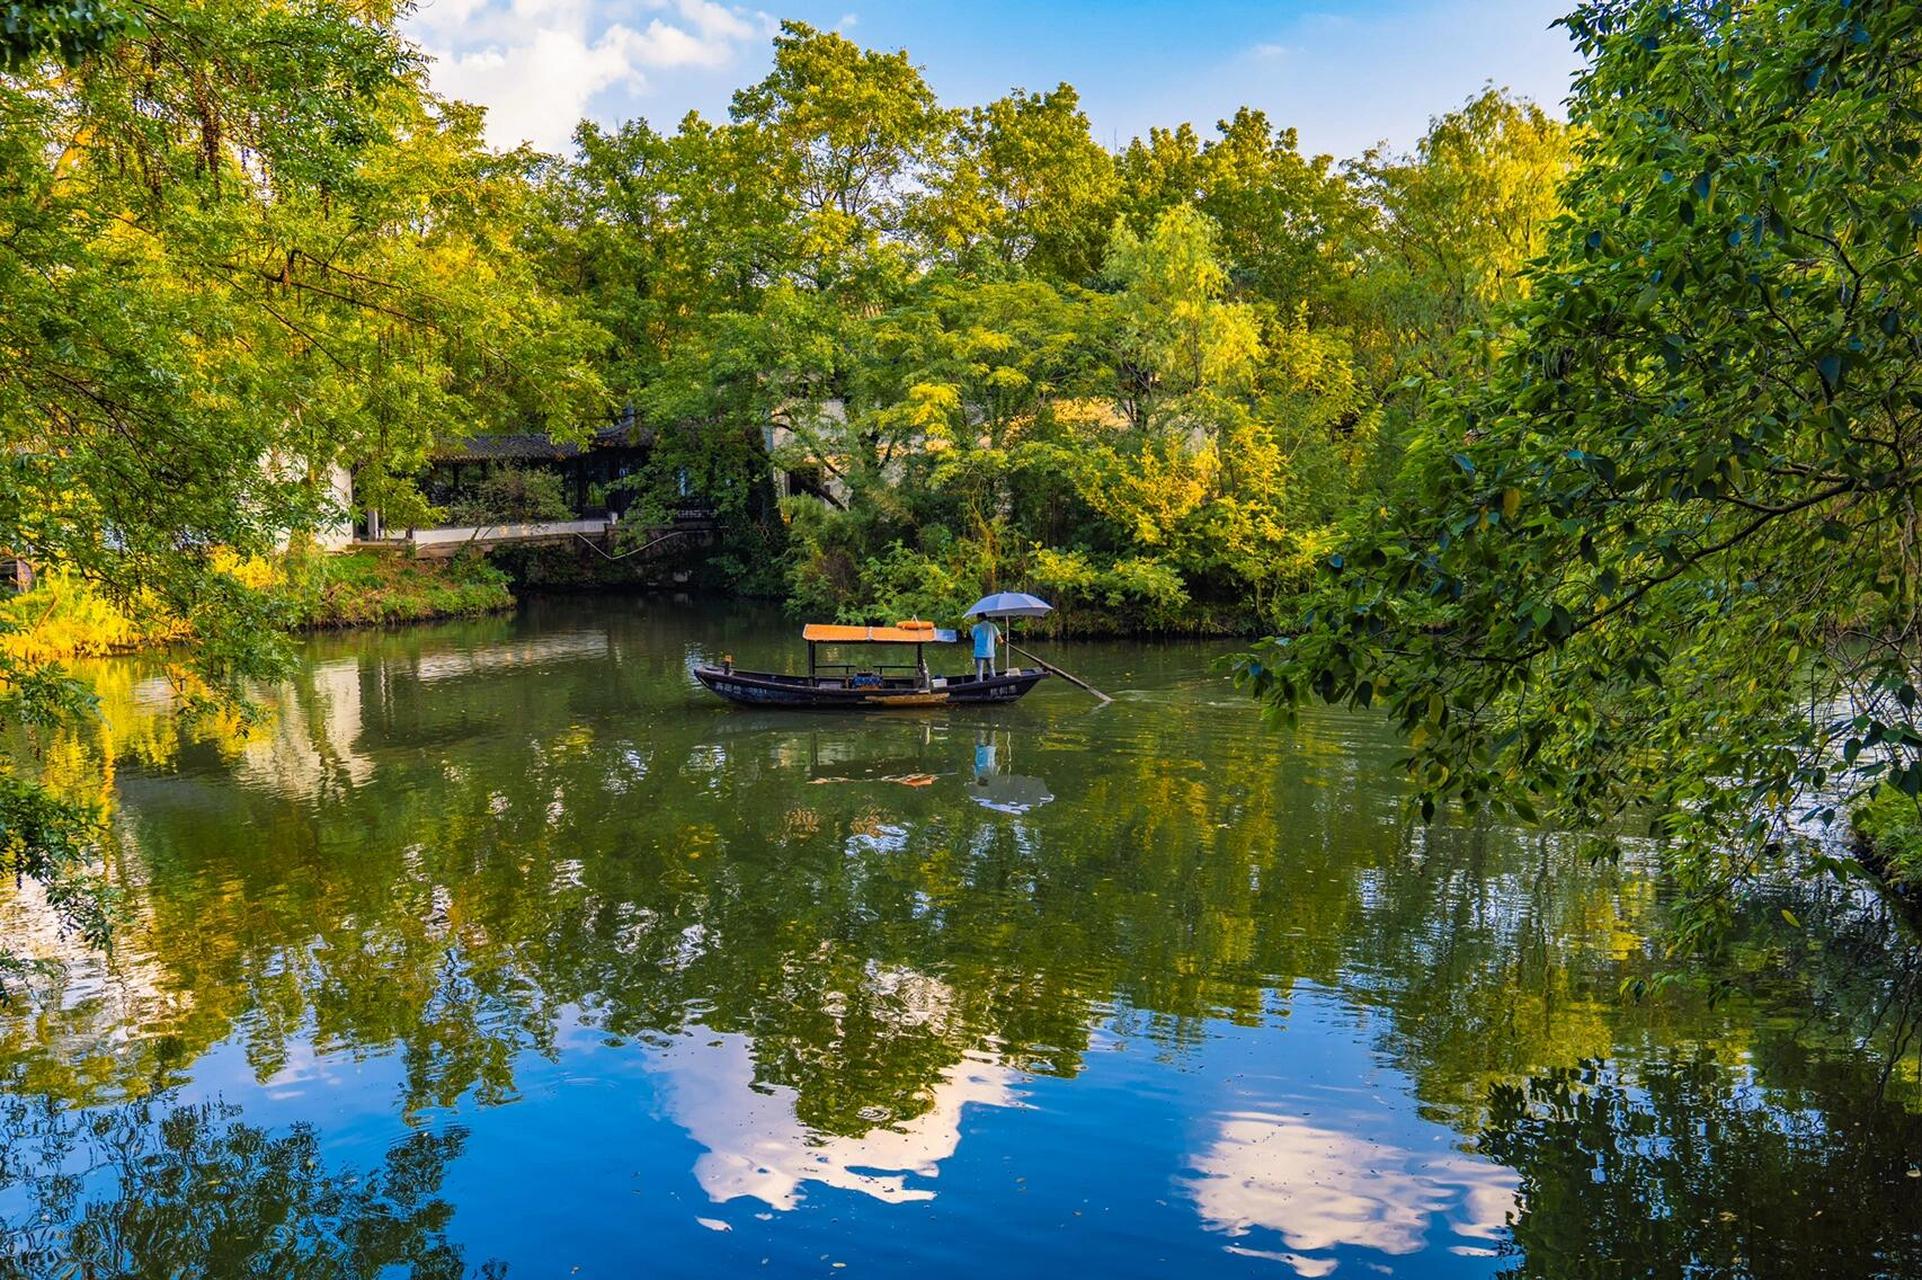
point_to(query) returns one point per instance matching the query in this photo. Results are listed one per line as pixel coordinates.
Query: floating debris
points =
(899, 779)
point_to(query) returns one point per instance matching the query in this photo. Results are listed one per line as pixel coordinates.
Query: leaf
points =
(1830, 368)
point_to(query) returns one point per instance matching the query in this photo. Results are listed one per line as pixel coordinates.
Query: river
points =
(501, 948)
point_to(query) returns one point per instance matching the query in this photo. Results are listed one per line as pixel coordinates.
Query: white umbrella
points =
(1010, 604)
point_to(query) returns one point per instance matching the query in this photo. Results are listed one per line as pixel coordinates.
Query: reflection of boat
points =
(831, 684)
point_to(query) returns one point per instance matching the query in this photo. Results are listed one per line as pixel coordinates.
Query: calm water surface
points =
(505, 950)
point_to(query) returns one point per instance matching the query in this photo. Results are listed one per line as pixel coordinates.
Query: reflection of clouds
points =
(756, 1146)
(1320, 1189)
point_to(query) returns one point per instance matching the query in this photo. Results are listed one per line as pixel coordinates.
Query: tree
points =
(241, 244)
(1176, 335)
(1028, 182)
(847, 133)
(1656, 554)
(1285, 221)
(30, 31)
(1457, 223)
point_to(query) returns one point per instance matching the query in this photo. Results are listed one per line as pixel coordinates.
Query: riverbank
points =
(63, 617)
(376, 588)
(1887, 838)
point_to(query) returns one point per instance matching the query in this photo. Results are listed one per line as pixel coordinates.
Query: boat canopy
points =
(913, 631)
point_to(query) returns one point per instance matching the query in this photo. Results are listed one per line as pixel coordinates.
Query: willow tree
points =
(1456, 224)
(1656, 560)
(240, 243)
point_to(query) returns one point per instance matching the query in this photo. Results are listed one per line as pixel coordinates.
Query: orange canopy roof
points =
(911, 632)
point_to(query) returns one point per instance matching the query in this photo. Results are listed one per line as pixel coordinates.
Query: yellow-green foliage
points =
(63, 617)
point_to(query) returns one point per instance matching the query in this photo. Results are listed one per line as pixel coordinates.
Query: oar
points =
(1045, 665)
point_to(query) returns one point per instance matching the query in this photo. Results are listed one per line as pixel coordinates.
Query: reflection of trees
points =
(1683, 1168)
(156, 1189)
(495, 847)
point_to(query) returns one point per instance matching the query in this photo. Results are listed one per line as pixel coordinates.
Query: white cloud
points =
(536, 65)
(717, 21)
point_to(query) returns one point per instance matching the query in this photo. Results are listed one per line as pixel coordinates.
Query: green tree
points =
(848, 133)
(1286, 222)
(242, 244)
(1027, 182)
(1656, 554)
(1457, 223)
(1176, 334)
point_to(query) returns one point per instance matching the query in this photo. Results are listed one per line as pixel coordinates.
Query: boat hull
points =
(771, 689)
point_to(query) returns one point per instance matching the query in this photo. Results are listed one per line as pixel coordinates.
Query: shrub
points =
(62, 617)
(513, 495)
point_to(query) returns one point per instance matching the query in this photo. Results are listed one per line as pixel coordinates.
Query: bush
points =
(63, 617)
(906, 583)
(513, 495)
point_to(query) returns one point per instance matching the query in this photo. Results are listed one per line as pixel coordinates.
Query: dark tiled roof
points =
(533, 446)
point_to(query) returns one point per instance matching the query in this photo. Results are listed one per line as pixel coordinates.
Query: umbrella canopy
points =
(1010, 793)
(1010, 604)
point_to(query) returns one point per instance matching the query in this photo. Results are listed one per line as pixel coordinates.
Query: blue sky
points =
(1347, 75)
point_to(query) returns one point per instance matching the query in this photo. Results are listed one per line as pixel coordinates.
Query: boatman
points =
(986, 636)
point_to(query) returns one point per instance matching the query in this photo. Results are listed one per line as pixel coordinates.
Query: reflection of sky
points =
(755, 1145)
(1322, 1188)
(1282, 1145)
(1321, 1162)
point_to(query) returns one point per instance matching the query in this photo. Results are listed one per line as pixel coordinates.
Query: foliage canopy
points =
(1653, 555)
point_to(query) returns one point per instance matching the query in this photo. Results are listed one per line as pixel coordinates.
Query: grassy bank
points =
(1888, 838)
(371, 588)
(67, 617)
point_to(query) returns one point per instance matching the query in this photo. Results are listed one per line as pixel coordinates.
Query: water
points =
(505, 950)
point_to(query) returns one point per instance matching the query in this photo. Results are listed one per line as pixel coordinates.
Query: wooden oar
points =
(1047, 666)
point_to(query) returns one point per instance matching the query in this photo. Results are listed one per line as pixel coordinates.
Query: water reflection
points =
(166, 1188)
(757, 1146)
(996, 785)
(818, 951)
(1322, 1189)
(1685, 1167)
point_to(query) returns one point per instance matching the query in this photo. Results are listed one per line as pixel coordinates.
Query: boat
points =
(837, 685)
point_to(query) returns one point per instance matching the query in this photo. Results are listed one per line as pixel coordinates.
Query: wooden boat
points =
(829, 685)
